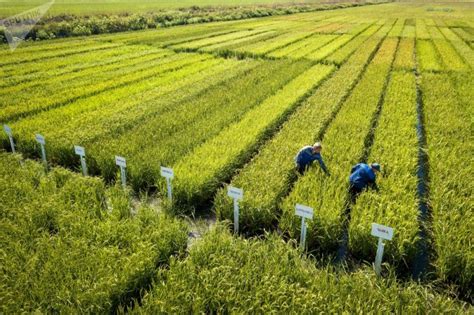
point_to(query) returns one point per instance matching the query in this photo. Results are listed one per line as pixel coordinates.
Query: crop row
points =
(197, 44)
(303, 47)
(427, 56)
(27, 58)
(236, 43)
(448, 55)
(448, 127)
(34, 74)
(169, 36)
(463, 49)
(127, 110)
(395, 204)
(116, 111)
(72, 73)
(267, 177)
(171, 136)
(324, 51)
(464, 35)
(341, 54)
(344, 142)
(264, 47)
(422, 30)
(70, 245)
(224, 274)
(64, 92)
(406, 50)
(55, 61)
(398, 28)
(199, 174)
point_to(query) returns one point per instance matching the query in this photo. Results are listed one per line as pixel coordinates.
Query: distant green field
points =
(83, 7)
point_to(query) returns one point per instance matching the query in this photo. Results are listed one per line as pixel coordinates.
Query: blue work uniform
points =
(305, 158)
(361, 176)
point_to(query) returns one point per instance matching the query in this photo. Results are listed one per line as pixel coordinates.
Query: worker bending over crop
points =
(362, 176)
(307, 155)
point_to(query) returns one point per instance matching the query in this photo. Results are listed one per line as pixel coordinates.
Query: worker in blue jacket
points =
(307, 155)
(362, 176)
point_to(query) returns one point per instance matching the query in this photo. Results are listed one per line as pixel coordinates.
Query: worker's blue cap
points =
(375, 166)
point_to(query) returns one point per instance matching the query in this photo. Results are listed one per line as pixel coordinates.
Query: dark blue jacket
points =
(361, 176)
(305, 157)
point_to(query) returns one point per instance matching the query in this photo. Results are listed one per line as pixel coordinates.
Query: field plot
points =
(230, 104)
(63, 250)
(225, 273)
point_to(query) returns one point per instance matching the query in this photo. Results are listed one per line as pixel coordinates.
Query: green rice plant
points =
(28, 57)
(421, 30)
(216, 39)
(52, 79)
(223, 274)
(462, 48)
(409, 31)
(341, 55)
(449, 148)
(267, 177)
(317, 42)
(164, 37)
(172, 135)
(263, 47)
(233, 44)
(307, 45)
(66, 92)
(398, 28)
(350, 28)
(404, 60)
(464, 35)
(120, 109)
(396, 204)
(329, 28)
(35, 74)
(428, 58)
(429, 22)
(43, 48)
(29, 47)
(324, 51)
(448, 55)
(70, 245)
(199, 175)
(344, 143)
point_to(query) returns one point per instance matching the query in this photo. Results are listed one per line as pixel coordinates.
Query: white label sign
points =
(304, 211)
(235, 193)
(79, 150)
(382, 231)
(8, 130)
(40, 139)
(167, 172)
(120, 161)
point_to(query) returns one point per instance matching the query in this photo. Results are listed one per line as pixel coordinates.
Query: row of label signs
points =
(237, 194)
(381, 231)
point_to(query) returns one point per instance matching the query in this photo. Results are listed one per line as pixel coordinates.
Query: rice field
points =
(230, 104)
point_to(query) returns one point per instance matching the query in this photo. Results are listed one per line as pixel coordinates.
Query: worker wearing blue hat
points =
(362, 176)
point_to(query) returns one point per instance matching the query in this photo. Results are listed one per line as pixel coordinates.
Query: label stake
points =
(9, 133)
(304, 212)
(236, 194)
(40, 139)
(383, 233)
(82, 153)
(168, 173)
(122, 163)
